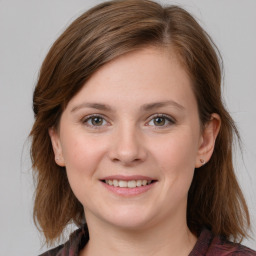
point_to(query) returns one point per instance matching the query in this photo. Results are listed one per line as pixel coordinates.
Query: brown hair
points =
(101, 34)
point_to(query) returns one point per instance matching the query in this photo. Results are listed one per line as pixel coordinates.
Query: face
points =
(131, 139)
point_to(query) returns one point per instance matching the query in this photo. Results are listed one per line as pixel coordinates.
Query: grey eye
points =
(97, 121)
(159, 121)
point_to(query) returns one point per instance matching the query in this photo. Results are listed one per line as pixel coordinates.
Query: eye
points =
(161, 120)
(95, 121)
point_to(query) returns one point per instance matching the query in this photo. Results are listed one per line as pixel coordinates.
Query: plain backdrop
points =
(27, 30)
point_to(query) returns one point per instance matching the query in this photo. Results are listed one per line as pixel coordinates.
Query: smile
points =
(128, 184)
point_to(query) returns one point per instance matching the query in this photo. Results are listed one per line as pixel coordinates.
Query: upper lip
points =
(127, 178)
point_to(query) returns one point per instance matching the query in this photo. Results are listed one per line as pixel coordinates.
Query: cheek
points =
(82, 157)
(176, 158)
(177, 151)
(82, 154)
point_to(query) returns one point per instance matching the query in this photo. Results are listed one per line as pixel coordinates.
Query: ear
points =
(207, 141)
(56, 145)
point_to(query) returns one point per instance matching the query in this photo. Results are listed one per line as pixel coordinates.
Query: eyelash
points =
(88, 118)
(167, 118)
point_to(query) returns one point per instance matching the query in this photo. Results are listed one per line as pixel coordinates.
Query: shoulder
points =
(211, 245)
(76, 242)
(231, 249)
(55, 251)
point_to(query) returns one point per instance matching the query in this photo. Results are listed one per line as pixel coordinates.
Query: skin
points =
(128, 139)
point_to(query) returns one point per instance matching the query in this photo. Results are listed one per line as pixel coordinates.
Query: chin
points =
(130, 219)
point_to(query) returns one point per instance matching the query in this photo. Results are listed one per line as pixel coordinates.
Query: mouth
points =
(128, 183)
(128, 186)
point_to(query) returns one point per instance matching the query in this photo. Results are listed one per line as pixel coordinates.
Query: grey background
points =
(29, 27)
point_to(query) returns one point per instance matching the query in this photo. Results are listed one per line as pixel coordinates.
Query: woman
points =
(131, 137)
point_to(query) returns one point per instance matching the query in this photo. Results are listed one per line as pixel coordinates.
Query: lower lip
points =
(128, 191)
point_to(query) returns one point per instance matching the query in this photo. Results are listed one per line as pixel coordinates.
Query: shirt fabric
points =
(206, 245)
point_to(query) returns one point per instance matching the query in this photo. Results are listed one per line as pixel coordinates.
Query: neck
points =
(164, 239)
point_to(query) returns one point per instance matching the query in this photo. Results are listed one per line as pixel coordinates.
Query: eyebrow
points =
(147, 107)
(92, 105)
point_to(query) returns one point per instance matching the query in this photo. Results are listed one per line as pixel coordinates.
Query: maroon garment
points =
(210, 245)
(206, 245)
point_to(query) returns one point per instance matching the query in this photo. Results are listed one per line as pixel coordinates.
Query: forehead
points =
(149, 58)
(149, 74)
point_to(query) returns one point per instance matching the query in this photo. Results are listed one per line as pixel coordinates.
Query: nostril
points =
(115, 160)
(127, 154)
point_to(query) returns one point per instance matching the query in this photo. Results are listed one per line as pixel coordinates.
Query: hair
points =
(98, 36)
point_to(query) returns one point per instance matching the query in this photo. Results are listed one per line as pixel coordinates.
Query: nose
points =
(127, 146)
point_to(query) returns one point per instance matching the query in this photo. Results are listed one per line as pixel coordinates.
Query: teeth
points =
(122, 184)
(132, 184)
(144, 182)
(138, 183)
(128, 184)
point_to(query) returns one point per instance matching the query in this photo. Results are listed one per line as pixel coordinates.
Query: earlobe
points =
(208, 138)
(56, 145)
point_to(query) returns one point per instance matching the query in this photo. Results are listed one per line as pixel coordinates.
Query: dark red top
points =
(206, 245)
